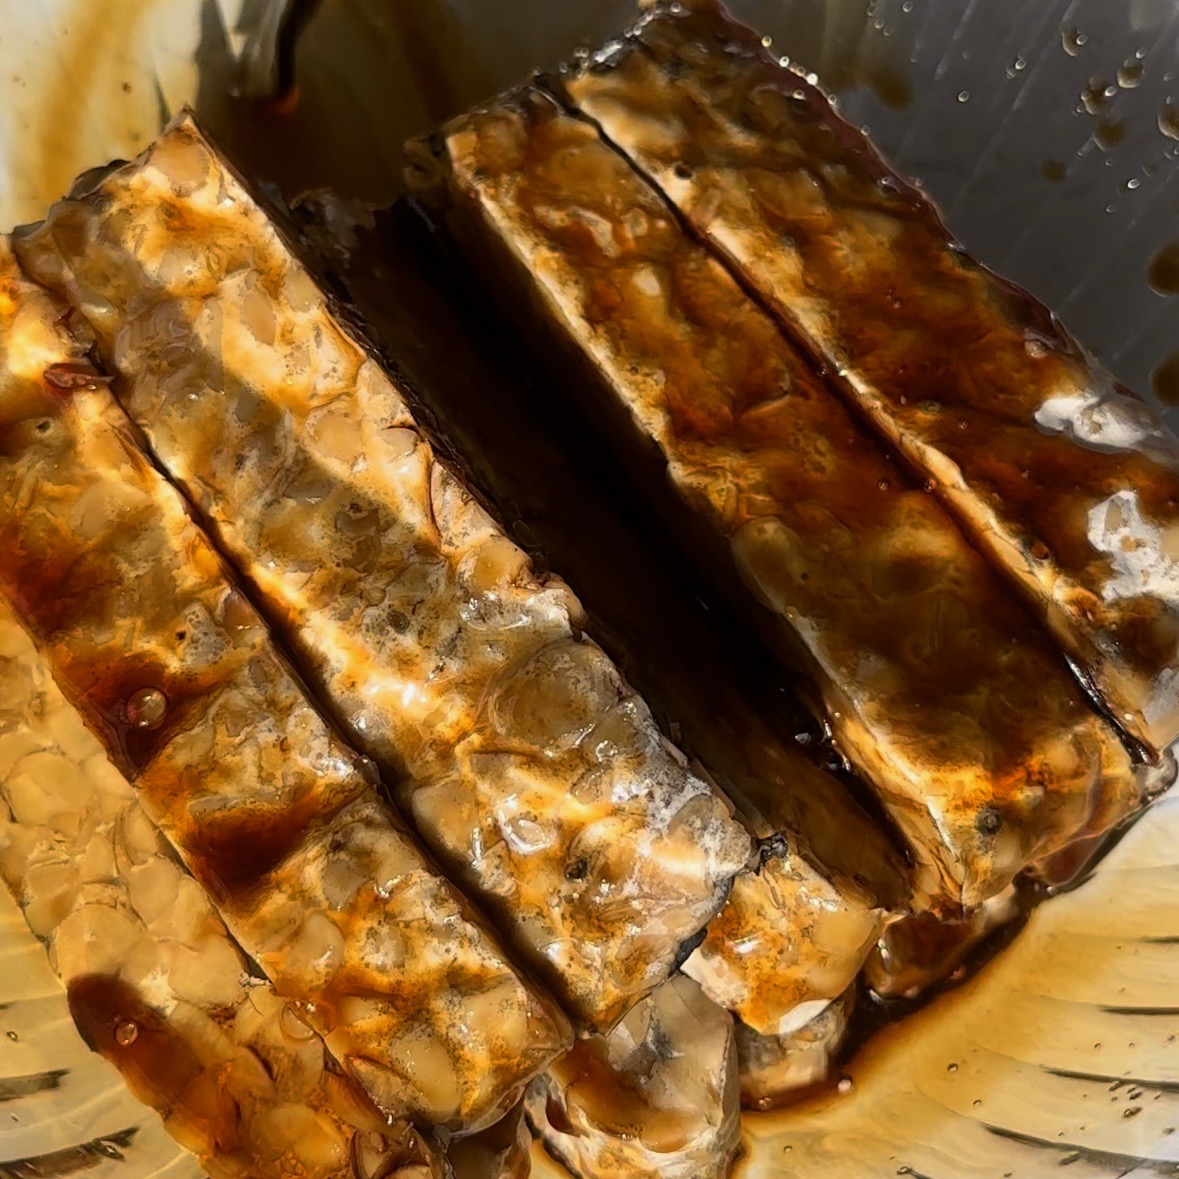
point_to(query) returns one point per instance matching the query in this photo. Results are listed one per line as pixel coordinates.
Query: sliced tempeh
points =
(275, 816)
(155, 982)
(937, 684)
(774, 1069)
(520, 752)
(1067, 479)
(657, 1098)
(795, 933)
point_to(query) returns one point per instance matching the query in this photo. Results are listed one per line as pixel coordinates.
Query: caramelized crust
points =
(937, 684)
(155, 983)
(1066, 479)
(519, 751)
(279, 821)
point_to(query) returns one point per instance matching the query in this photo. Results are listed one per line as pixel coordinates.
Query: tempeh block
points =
(1063, 476)
(280, 821)
(523, 757)
(938, 685)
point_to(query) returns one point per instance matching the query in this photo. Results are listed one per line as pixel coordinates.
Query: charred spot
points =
(687, 948)
(577, 869)
(989, 821)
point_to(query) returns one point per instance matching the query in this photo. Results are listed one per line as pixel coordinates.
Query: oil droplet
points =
(1130, 74)
(882, 484)
(767, 41)
(126, 1033)
(1133, 183)
(952, 1067)
(963, 95)
(1093, 97)
(907, 6)
(1073, 40)
(145, 708)
(845, 1084)
(1109, 133)
(1053, 171)
(1163, 272)
(1017, 66)
(1169, 120)
(1165, 380)
(13, 1037)
(1133, 1111)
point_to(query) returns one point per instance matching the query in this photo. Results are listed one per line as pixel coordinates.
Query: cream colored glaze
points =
(937, 685)
(521, 754)
(273, 815)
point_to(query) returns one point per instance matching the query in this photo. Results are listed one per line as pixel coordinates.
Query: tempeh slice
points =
(657, 1098)
(795, 933)
(1064, 477)
(774, 1069)
(523, 757)
(277, 818)
(939, 687)
(155, 983)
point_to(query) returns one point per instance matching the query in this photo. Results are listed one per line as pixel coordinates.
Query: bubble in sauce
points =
(145, 708)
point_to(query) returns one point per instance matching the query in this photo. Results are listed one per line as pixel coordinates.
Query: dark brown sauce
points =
(1165, 380)
(1163, 272)
(1109, 133)
(159, 1065)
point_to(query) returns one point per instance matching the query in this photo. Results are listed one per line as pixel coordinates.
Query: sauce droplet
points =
(1072, 40)
(1053, 171)
(1169, 120)
(1130, 73)
(963, 95)
(845, 1084)
(126, 1033)
(1165, 380)
(1094, 96)
(145, 708)
(1109, 133)
(1163, 272)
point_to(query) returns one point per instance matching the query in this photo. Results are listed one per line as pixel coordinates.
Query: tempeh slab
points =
(1064, 477)
(273, 815)
(938, 685)
(521, 754)
(155, 983)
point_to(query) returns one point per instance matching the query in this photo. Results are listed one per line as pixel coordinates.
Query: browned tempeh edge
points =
(530, 466)
(1082, 650)
(283, 223)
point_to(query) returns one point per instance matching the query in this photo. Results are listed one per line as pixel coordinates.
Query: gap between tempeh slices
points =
(796, 932)
(520, 753)
(938, 685)
(273, 814)
(1062, 476)
(155, 982)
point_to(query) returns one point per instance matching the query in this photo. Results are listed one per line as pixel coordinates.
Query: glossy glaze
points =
(156, 984)
(655, 1099)
(798, 929)
(520, 753)
(1064, 478)
(937, 684)
(271, 812)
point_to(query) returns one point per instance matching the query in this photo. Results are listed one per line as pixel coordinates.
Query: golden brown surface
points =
(937, 684)
(1066, 479)
(521, 754)
(655, 1099)
(799, 929)
(273, 815)
(155, 982)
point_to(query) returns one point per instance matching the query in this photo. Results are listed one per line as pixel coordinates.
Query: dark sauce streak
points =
(71, 1159)
(1165, 380)
(1163, 271)
(1120, 1164)
(153, 1056)
(14, 1088)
